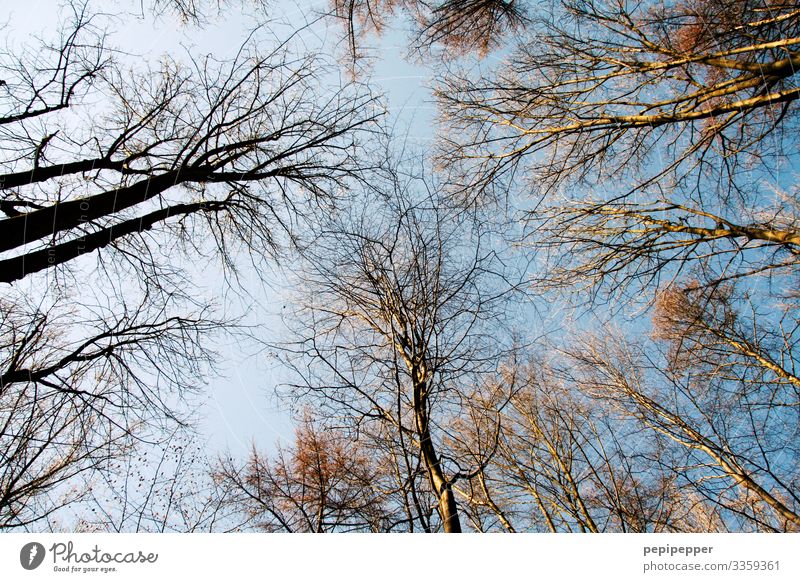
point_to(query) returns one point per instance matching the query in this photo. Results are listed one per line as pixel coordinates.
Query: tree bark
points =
(31, 226)
(18, 267)
(447, 503)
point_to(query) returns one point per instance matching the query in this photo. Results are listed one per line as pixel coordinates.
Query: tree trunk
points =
(440, 485)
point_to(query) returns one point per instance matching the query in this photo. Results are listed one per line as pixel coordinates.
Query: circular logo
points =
(31, 555)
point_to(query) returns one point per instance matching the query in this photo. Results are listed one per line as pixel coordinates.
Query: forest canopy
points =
(567, 302)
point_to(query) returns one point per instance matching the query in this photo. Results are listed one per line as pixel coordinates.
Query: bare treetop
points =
(231, 142)
(686, 95)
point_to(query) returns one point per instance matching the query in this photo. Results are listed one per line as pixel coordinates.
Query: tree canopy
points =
(572, 308)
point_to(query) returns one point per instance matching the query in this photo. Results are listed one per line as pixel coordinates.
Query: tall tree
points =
(114, 175)
(659, 142)
(403, 326)
(656, 138)
(601, 88)
(735, 443)
(225, 145)
(81, 385)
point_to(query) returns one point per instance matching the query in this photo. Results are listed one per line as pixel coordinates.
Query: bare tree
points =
(606, 436)
(739, 452)
(566, 462)
(603, 87)
(402, 327)
(657, 140)
(458, 26)
(230, 143)
(79, 387)
(143, 170)
(654, 138)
